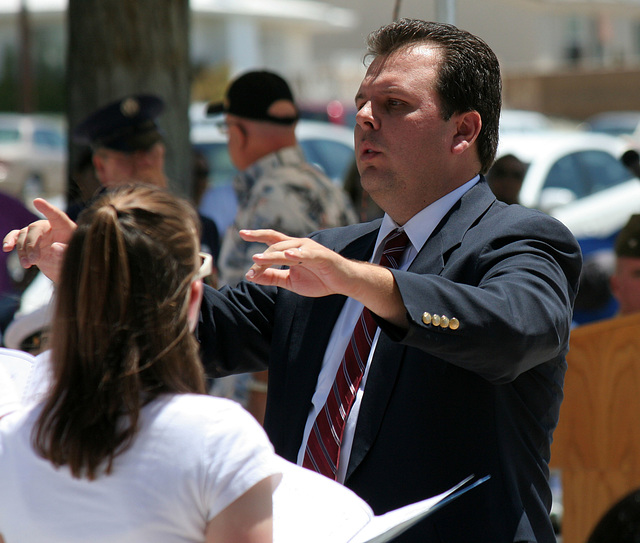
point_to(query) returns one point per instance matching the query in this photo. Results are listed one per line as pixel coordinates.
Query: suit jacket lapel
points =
(389, 355)
(310, 326)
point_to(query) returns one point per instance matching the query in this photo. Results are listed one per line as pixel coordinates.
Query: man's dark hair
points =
(469, 78)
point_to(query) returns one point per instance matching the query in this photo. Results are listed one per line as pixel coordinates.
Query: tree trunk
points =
(121, 47)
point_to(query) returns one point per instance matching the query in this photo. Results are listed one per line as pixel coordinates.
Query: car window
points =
(605, 170)
(614, 130)
(566, 174)
(614, 126)
(332, 157)
(221, 169)
(9, 135)
(48, 138)
(586, 172)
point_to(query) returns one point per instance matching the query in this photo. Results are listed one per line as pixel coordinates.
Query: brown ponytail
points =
(120, 332)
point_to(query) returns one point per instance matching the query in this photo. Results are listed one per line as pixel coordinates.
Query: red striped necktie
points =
(323, 447)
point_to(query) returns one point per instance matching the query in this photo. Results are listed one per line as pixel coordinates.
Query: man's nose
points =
(365, 118)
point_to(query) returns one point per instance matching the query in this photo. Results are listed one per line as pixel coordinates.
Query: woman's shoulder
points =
(208, 415)
(20, 416)
(198, 405)
(210, 433)
(15, 428)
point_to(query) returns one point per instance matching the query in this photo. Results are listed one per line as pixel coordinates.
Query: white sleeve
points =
(9, 398)
(39, 380)
(239, 456)
(15, 369)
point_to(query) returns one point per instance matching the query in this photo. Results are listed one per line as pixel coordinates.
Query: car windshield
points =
(616, 125)
(332, 157)
(9, 135)
(614, 129)
(49, 138)
(586, 172)
(220, 167)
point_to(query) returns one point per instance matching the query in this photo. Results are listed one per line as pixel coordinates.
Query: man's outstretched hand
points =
(42, 243)
(313, 270)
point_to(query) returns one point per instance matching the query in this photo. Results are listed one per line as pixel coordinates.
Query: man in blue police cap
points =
(128, 147)
(126, 141)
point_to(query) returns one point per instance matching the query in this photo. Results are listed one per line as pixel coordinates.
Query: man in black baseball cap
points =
(259, 96)
(126, 141)
(276, 187)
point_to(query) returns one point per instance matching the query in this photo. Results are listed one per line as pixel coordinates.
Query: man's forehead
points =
(106, 153)
(424, 55)
(631, 262)
(391, 69)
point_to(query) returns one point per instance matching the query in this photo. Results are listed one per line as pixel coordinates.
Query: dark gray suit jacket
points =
(440, 403)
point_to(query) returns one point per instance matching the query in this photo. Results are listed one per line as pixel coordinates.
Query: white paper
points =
(385, 527)
(312, 508)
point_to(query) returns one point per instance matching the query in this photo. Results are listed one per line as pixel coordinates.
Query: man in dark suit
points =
(466, 372)
(465, 369)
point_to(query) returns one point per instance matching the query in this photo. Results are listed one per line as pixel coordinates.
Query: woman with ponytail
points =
(126, 446)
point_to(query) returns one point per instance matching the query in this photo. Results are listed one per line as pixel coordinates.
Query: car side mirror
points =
(553, 197)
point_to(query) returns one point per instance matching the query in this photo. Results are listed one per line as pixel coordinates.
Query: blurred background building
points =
(553, 52)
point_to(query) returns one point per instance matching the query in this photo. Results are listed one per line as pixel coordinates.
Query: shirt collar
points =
(422, 224)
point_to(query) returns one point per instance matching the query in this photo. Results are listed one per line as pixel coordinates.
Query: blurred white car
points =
(522, 120)
(576, 177)
(614, 123)
(33, 156)
(623, 124)
(326, 145)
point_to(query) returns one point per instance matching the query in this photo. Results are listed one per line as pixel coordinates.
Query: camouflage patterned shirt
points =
(284, 192)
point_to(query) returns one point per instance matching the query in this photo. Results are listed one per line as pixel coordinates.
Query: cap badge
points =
(130, 107)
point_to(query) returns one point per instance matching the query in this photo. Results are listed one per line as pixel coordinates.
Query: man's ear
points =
(614, 283)
(468, 127)
(240, 134)
(98, 164)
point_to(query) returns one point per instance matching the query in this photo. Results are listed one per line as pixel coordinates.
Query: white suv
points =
(33, 156)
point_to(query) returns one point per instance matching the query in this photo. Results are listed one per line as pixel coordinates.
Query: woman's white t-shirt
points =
(193, 456)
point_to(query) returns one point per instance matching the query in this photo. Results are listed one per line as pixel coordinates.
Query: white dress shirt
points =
(418, 229)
